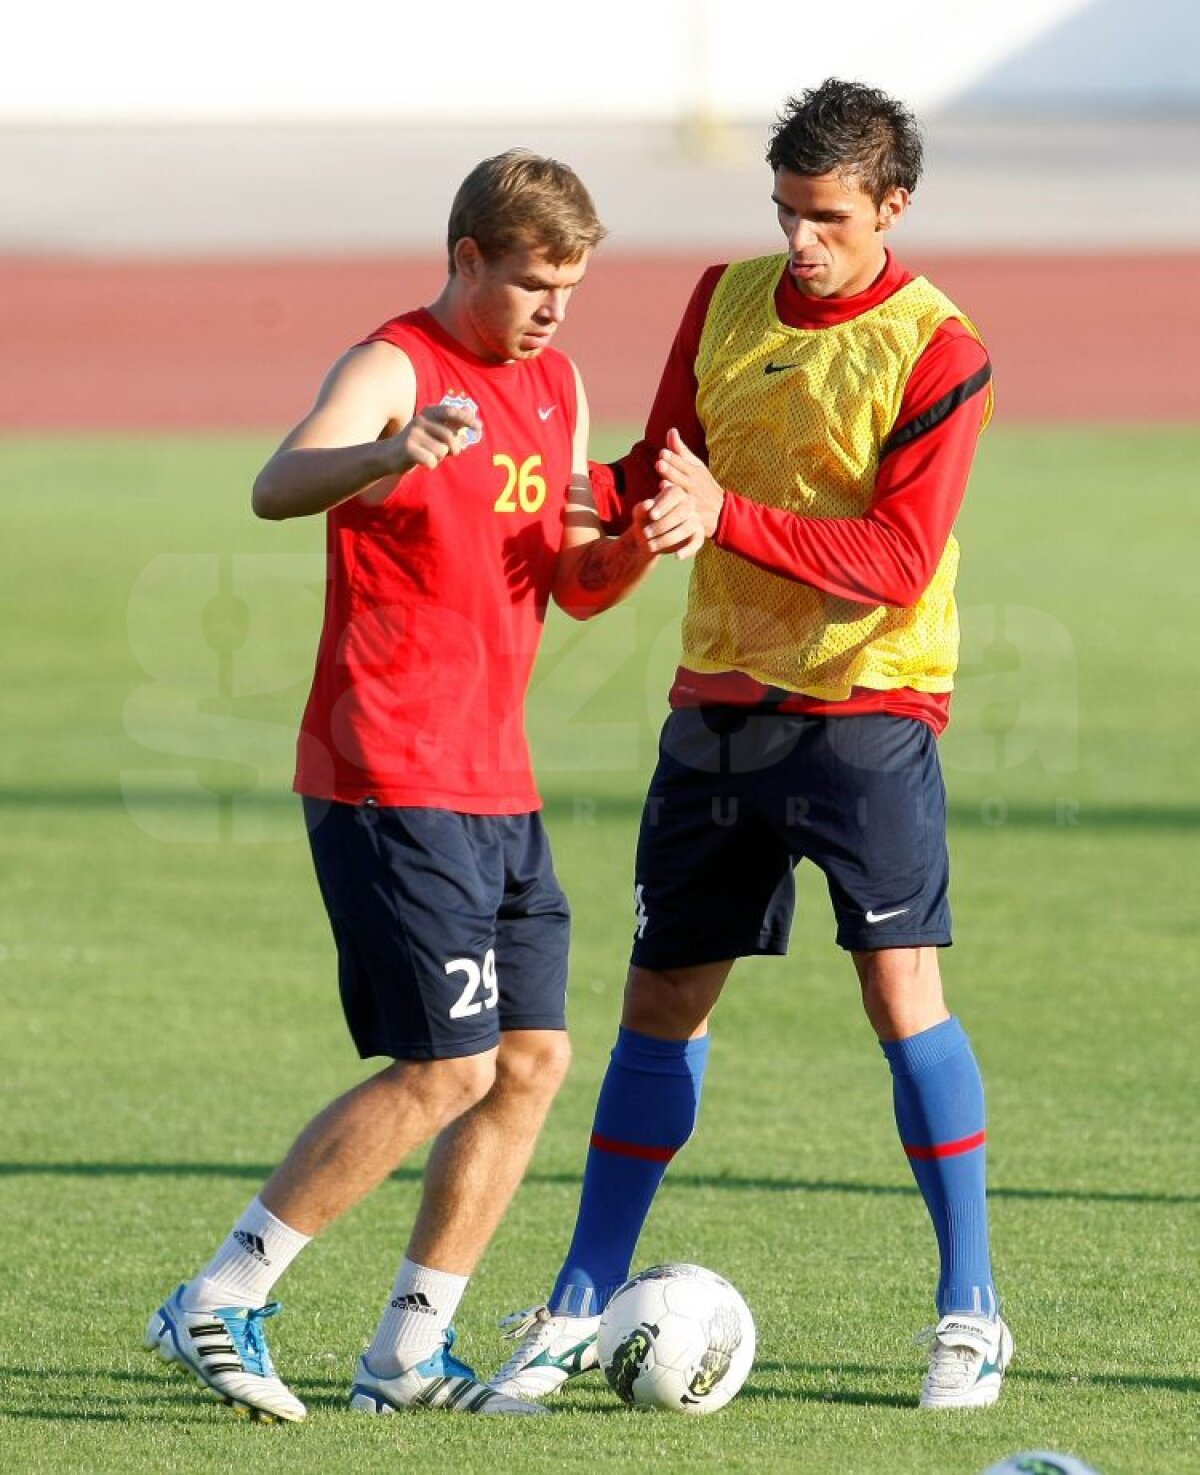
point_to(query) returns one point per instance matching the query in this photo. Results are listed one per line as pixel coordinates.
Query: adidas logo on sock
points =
(252, 1244)
(414, 1301)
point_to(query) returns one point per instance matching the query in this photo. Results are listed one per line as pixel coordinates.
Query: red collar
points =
(798, 311)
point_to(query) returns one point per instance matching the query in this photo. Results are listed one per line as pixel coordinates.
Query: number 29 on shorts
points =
(481, 990)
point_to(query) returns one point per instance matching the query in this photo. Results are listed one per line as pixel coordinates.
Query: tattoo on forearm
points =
(605, 562)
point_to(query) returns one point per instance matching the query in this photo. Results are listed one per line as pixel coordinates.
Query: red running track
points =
(210, 345)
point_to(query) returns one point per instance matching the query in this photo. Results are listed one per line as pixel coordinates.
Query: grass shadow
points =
(257, 1172)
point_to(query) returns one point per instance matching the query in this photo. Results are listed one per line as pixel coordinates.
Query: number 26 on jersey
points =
(524, 490)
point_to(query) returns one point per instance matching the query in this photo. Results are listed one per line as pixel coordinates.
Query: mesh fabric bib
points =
(795, 418)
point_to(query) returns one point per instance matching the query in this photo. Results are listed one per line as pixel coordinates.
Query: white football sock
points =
(259, 1249)
(422, 1306)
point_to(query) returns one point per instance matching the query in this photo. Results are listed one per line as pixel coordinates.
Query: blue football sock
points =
(938, 1096)
(646, 1112)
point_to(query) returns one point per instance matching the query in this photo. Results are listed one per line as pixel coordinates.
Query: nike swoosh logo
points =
(779, 368)
(884, 916)
(545, 414)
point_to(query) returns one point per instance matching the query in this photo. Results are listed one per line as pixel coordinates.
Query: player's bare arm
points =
(596, 571)
(363, 432)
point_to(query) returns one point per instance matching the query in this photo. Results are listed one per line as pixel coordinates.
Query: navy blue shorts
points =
(740, 798)
(449, 927)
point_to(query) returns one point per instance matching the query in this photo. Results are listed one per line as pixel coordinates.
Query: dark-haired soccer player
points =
(442, 450)
(821, 407)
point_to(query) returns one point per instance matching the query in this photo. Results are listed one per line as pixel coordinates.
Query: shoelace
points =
(451, 1365)
(521, 1322)
(537, 1320)
(248, 1337)
(950, 1368)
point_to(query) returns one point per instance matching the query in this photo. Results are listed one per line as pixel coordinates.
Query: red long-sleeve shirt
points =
(886, 556)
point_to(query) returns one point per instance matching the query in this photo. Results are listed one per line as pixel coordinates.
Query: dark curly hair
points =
(849, 129)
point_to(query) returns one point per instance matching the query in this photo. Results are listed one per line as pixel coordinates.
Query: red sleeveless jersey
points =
(437, 596)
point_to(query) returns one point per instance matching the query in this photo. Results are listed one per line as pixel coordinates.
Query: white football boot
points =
(439, 1381)
(227, 1350)
(967, 1361)
(550, 1351)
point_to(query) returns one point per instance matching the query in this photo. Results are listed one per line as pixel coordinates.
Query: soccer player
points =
(821, 407)
(449, 452)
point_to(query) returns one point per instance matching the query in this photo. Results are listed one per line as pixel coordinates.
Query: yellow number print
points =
(523, 488)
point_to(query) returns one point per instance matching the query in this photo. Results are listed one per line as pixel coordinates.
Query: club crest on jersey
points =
(465, 402)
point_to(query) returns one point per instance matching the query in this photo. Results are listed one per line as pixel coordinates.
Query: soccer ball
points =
(1040, 1462)
(676, 1337)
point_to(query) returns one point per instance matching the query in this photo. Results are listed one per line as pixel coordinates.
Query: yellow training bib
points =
(795, 418)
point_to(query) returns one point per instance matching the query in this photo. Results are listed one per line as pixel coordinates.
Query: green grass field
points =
(168, 1016)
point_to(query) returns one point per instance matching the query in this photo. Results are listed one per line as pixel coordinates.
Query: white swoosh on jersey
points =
(883, 916)
(545, 414)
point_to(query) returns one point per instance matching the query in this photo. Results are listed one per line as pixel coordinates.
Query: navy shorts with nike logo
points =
(450, 928)
(740, 797)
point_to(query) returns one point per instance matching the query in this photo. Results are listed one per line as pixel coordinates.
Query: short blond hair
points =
(520, 198)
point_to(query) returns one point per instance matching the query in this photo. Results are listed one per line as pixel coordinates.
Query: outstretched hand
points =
(681, 470)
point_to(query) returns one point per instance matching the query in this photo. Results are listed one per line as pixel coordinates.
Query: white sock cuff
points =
(414, 1322)
(412, 1276)
(284, 1239)
(259, 1249)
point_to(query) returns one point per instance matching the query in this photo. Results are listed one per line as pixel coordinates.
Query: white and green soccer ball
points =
(676, 1337)
(1041, 1462)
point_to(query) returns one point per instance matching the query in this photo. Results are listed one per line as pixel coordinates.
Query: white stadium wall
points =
(246, 61)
